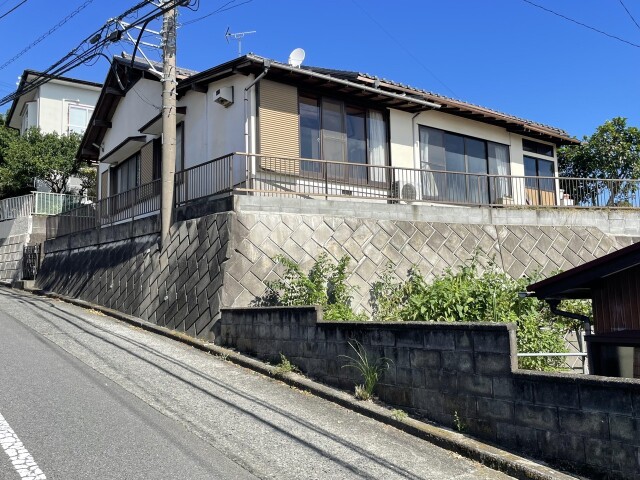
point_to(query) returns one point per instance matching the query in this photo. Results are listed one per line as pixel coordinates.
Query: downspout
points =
(249, 167)
(416, 153)
(267, 65)
(586, 321)
(586, 325)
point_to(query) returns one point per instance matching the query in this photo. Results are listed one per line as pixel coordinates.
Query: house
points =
(317, 132)
(612, 282)
(53, 104)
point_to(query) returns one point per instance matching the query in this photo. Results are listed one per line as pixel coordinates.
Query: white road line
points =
(20, 457)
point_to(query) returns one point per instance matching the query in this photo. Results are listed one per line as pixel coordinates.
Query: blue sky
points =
(503, 54)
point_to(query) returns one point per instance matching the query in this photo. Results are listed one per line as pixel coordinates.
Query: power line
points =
(418, 61)
(582, 24)
(221, 9)
(92, 46)
(629, 13)
(14, 8)
(45, 35)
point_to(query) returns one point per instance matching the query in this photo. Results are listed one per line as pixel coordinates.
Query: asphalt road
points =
(90, 397)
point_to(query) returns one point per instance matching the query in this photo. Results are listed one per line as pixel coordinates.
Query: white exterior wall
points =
(53, 104)
(405, 145)
(134, 111)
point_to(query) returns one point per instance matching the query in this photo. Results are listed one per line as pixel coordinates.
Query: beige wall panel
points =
(279, 126)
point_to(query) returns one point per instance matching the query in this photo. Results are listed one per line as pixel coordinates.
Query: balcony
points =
(260, 175)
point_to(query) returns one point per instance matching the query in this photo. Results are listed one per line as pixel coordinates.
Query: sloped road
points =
(90, 397)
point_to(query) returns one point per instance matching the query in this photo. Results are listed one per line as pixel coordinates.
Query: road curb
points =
(462, 444)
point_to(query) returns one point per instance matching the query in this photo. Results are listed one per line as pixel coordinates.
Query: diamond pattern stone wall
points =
(433, 247)
(222, 260)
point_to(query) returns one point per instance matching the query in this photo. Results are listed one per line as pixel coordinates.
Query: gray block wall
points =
(221, 260)
(439, 372)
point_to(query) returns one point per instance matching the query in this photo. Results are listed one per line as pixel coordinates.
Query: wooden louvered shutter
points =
(279, 127)
(104, 184)
(146, 164)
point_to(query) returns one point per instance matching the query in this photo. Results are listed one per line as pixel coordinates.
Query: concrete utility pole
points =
(168, 119)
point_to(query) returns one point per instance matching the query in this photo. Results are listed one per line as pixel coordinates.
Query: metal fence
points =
(137, 202)
(15, 207)
(252, 174)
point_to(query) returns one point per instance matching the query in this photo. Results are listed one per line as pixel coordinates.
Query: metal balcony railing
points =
(263, 175)
(39, 203)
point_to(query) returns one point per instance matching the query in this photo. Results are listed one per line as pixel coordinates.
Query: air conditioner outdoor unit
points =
(404, 192)
(224, 96)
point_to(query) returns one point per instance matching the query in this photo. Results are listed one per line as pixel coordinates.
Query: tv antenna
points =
(237, 36)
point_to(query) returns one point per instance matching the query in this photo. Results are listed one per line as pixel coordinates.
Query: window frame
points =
(345, 175)
(88, 109)
(491, 195)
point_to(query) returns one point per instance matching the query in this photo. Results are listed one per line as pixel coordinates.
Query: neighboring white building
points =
(394, 140)
(62, 105)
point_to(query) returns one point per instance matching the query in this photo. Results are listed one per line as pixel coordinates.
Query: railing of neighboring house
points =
(46, 203)
(15, 207)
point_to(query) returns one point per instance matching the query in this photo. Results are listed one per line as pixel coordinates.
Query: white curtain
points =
(429, 186)
(377, 146)
(501, 155)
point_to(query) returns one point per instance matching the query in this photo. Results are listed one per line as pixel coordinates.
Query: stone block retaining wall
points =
(222, 259)
(587, 424)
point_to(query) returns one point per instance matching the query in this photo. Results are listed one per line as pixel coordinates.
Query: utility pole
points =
(168, 119)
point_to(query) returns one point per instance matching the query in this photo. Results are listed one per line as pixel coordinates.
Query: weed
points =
(285, 366)
(369, 368)
(399, 415)
(457, 421)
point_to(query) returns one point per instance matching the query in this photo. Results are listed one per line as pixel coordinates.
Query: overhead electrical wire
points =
(45, 35)
(94, 44)
(401, 45)
(13, 9)
(615, 37)
(227, 6)
(629, 13)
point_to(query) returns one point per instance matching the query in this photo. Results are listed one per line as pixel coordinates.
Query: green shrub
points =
(469, 295)
(324, 285)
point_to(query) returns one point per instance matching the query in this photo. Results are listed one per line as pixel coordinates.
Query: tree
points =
(47, 156)
(611, 154)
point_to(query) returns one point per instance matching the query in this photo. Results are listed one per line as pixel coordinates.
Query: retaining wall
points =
(222, 259)
(587, 424)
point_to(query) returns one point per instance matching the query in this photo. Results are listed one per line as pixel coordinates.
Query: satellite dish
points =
(296, 57)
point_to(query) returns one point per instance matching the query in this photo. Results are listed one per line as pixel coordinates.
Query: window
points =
(78, 118)
(126, 175)
(336, 131)
(471, 161)
(539, 186)
(537, 147)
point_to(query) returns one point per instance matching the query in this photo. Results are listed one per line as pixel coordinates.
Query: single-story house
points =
(612, 282)
(320, 133)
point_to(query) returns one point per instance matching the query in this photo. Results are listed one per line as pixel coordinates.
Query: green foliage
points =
(285, 366)
(612, 152)
(371, 369)
(324, 285)
(399, 415)
(47, 156)
(457, 421)
(472, 296)
(88, 181)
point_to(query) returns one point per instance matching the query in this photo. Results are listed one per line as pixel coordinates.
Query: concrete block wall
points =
(11, 250)
(587, 424)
